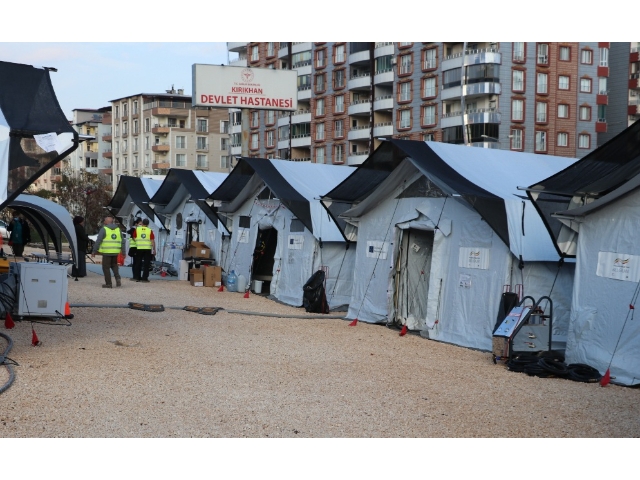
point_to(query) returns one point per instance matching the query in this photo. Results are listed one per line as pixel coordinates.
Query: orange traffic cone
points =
(8, 322)
(34, 338)
(246, 294)
(354, 323)
(604, 381)
(403, 332)
(67, 310)
(221, 289)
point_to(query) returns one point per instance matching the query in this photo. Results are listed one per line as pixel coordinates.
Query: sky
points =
(91, 74)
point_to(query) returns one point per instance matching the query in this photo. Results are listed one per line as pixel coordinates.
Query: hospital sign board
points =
(244, 87)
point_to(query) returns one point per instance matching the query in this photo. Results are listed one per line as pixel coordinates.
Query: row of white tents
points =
(423, 234)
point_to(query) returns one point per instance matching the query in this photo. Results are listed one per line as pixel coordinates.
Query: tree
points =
(85, 194)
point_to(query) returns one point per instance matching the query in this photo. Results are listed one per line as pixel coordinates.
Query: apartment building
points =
(542, 97)
(153, 132)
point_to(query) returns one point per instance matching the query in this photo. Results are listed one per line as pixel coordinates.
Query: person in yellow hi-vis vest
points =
(109, 243)
(146, 245)
(133, 251)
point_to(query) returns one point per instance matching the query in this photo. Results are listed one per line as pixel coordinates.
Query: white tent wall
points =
(339, 265)
(600, 303)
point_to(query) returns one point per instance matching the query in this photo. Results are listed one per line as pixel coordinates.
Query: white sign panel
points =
(473, 257)
(465, 280)
(243, 235)
(244, 87)
(620, 266)
(296, 242)
(377, 249)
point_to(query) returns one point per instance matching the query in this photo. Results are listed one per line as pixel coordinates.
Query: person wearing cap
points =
(80, 268)
(109, 243)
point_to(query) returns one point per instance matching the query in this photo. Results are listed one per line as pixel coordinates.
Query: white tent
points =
(181, 202)
(441, 230)
(280, 231)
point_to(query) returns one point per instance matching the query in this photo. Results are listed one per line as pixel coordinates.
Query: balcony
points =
(480, 115)
(383, 49)
(160, 166)
(297, 47)
(235, 128)
(301, 159)
(384, 102)
(107, 138)
(384, 129)
(361, 57)
(360, 132)
(360, 107)
(283, 144)
(235, 150)
(301, 116)
(451, 92)
(304, 92)
(237, 46)
(202, 165)
(356, 158)
(238, 62)
(107, 154)
(301, 140)
(283, 52)
(160, 129)
(384, 77)
(360, 82)
(165, 107)
(471, 57)
(161, 147)
(202, 148)
(482, 88)
(283, 120)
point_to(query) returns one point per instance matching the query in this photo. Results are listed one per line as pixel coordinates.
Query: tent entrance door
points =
(413, 266)
(263, 257)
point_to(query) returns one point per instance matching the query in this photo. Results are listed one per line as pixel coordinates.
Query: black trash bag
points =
(314, 298)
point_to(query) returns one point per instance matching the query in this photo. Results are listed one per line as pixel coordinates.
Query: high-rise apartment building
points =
(543, 97)
(152, 133)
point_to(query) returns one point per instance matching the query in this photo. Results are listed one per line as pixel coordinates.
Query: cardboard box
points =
(196, 277)
(212, 276)
(197, 250)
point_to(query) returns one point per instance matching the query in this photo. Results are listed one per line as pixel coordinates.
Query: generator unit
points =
(42, 289)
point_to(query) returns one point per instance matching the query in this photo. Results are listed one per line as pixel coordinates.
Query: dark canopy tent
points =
(52, 221)
(176, 187)
(28, 108)
(245, 170)
(389, 155)
(132, 187)
(602, 172)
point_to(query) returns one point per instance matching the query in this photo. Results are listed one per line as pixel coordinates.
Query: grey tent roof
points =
(133, 187)
(52, 221)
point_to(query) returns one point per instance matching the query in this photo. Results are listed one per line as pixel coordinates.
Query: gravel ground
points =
(118, 372)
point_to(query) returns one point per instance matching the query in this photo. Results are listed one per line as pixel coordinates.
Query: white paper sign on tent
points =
(473, 257)
(296, 242)
(243, 235)
(619, 266)
(48, 142)
(377, 249)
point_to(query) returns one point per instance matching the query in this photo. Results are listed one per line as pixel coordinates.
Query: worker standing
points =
(146, 247)
(133, 251)
(109, 244)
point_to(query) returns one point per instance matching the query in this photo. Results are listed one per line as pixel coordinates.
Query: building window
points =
(254, 141)
(147, 142)
(338, 129)
(563, 111)
(541, 112)
(202, 125)
(406, 64)
(271, 49)
(117, 147)
(519, 52)
(201, 143)
(201, 161)
(563, 82)
(585, 113)
(428, 137)
(224, 126)
(117, 112)
(125, 128)
(563, 139)
(517, 110)
(271, 117)
(518, 81)
(255, 53)
(320, 82)
(430, 59)
(320, 155)
(135, 144)
(339, 104)
(224, 161)
(584, 141)
(135, 127)
(181, 159)
(429, 113)
(564, 54)
(405, 119)
(541, 141)
(320, 131)
(147, 160)
(516, 139)
(117, 130)
(602, 113)
(338, 153)
(135, 107)
(125, 163)
(404, 92)
(543, 54)
(338, 78)
(319, 107)
(271, 138)
(255, 119)
(339, 54)
(321, 58)
(125, 109)
(604, 57)
(135, 162)
(124, 146)
(147, 124)
(542, 83)
(585, 85)
(586, 57)
(181, 141)
(602, 85)
(429, 89)
(224, 143)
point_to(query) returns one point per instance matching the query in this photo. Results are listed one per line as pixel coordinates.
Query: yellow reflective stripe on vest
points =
(112, 241)
(132, 242)
(143, 238)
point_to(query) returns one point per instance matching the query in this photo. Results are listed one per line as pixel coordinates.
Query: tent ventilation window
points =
(422, 187)
(179, 221)
(245, 222)
(296, 225)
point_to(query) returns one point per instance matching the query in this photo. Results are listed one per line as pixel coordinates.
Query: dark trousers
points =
(144, 257)
(110, 263)
(136, 264)
(81, 269)
(18, 249)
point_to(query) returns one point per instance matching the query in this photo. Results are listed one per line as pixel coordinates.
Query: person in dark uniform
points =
(146, 245)
(83, 246)
(133, 251)
(20, 235)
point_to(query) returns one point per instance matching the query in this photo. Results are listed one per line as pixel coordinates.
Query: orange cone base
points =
(246, 294)
(8, 322)
(403, 332)
(221, 289)
(34, 338)
(354, 323)
(67, 310)
(606, 378)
